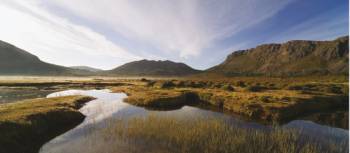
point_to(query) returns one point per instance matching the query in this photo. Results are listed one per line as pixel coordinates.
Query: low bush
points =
(150, 83)
(240, 84)
(167, 84)
(227, 87)
(255, 88)
(144, 80)
(217, 85)
(265, 99)
(334, 89)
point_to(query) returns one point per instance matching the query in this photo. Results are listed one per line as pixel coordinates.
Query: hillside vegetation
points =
(15, 61)
(296, 57)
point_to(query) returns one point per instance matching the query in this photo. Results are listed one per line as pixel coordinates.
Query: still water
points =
(85, 138)
(13, 94)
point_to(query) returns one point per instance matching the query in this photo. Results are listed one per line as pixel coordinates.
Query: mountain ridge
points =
(292, 58)
(14, 60)
(295, 57)
(153, 68)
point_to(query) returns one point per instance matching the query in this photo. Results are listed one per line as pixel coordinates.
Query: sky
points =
(201, 33)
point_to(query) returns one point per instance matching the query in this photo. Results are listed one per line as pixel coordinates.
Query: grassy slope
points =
(292, 58)
(26, 125)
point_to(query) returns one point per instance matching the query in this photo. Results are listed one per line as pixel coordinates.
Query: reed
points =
(168, 134)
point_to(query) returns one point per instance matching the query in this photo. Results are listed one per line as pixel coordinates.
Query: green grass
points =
(26, 125)
(174, 135)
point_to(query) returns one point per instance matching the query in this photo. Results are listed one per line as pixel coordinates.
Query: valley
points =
(260, 98)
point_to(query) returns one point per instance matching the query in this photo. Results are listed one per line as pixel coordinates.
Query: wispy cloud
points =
(108, 33)
(55, 39)
(182, 27)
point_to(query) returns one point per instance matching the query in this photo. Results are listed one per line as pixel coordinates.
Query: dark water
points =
(12, 94)
(86, 137)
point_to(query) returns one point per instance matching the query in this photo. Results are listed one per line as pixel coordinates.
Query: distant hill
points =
(86, 68)
(15, 61)
(153, 68)
(297, 57)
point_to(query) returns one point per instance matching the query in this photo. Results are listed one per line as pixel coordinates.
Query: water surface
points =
(13, 94)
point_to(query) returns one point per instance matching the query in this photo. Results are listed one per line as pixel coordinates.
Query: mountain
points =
(15, 61)
(153, 68)
(297, 57)
(86, 68)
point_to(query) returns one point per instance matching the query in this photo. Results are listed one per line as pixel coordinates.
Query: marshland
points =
(115, 114)
(174, 76)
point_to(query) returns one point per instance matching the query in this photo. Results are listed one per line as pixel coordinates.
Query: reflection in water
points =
(87, 137)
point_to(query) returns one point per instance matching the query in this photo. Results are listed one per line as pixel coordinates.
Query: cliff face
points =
(296, 57)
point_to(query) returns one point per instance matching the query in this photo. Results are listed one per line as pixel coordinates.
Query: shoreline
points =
(27, 125)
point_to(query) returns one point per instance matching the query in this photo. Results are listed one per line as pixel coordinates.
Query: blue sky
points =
(107, 33)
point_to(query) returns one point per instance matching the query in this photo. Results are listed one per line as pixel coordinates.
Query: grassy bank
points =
(173, 135)
(26, 125)
(258, 99)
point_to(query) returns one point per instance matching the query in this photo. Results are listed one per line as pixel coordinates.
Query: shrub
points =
(265, 99)
(150, 83)
(189, 84)
(217, 85)
(334, 89)
(227, 87)
(255, 88)
(167, 84)
(180, 84)
(301, 87)
(144, 80)
(241, 84)
(201, 84)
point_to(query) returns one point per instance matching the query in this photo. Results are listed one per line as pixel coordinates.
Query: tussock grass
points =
(263, 98)
(167, 134)
(257, 103)
(26, 125)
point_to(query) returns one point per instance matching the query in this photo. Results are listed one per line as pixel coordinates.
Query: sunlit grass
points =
(168, 134)
(259, 100)
(28, 124)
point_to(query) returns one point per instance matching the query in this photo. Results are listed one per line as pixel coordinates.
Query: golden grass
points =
(19, 111)
(145, 96)
(271, 102)
(26, 125)
(174, 135)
